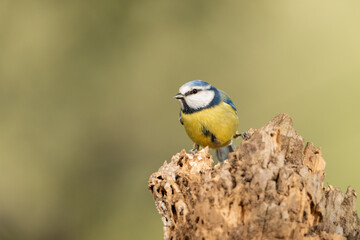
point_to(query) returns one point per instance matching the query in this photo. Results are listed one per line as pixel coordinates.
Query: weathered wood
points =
(269, 188)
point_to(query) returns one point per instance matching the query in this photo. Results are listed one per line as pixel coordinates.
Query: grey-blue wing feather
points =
(180, 120)
(227, 100)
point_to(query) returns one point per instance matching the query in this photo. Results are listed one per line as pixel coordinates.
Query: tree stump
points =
(271, 187)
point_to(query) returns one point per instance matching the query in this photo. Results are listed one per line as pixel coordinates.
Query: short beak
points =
(179, 96)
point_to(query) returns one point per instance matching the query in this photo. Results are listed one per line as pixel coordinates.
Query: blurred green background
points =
(87, 110)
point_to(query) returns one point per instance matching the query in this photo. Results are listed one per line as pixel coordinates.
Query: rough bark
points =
(271, 187)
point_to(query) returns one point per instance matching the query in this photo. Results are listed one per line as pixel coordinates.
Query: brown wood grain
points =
(271, 187)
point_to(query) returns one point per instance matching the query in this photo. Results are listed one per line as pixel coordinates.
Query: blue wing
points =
(227, 99)
(180, 118)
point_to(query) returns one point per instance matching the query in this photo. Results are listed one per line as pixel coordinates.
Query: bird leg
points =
(195, 149)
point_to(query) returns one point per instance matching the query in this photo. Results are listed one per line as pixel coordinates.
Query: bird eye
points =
(194, 91)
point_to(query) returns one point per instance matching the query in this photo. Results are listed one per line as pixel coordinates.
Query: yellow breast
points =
(213, 127)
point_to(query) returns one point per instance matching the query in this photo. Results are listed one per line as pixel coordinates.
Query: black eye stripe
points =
(191, 91)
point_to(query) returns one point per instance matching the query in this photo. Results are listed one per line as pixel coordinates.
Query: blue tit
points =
(209, 117)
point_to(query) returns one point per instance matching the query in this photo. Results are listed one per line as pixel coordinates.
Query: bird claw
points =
(193, 151)
(245, 135)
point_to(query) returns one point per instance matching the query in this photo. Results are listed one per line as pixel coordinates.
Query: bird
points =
(209, 117)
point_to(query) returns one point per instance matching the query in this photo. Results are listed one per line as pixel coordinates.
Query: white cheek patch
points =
(200, 99)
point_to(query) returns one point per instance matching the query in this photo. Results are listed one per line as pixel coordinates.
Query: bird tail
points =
(223, 152)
